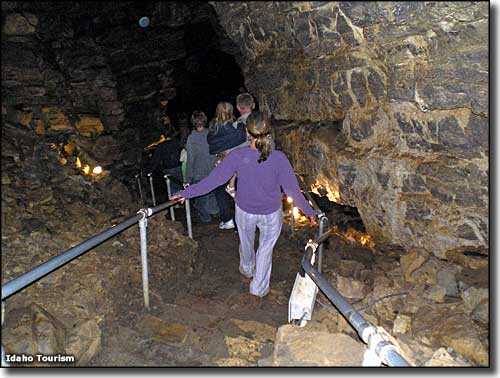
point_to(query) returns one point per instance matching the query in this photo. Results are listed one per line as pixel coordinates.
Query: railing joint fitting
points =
(367, 333)
(146, 212)
(384, 350)
(313, 245)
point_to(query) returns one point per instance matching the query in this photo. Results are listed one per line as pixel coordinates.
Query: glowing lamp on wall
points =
(86, 169)
(97, 170)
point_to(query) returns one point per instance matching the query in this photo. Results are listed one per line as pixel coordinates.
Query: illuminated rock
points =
(56, 121)
(89, 126)
(381, 106)
(20, 24)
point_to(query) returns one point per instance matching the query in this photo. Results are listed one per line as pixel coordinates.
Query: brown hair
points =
(245, 101)
(198, 119)
(224, 112)
(259, 127)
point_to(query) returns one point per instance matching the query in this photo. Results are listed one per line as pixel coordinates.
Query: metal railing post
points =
(143, 224)
(374, 339)
(322, 220)
(150, 175)
(4, 360)
(188, 218)
(169, 192)
(139, 185)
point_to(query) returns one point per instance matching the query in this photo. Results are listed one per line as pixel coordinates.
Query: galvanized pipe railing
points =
(377, 344)
(139, 186)
(322, 220)
(26, 279)
(40, 271)
(169, 192)
(151, 187)
(187, 203)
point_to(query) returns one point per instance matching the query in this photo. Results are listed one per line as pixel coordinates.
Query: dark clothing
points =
(176, 173)
(224, 202)
(167, 156)
(223, 137)
(206, 205)
(220, 138)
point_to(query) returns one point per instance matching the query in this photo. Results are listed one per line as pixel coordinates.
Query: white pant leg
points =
(270, 229)
(247, 224)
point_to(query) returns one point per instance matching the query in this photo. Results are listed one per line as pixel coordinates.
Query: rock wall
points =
(88, 70)
(49, 207)
(384, 105)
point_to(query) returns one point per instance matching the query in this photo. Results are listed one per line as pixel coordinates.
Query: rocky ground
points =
(436, 310)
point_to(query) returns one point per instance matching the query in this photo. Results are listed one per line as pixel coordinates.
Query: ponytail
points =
(259, 127)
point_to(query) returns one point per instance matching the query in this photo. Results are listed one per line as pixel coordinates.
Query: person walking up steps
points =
(262, 173)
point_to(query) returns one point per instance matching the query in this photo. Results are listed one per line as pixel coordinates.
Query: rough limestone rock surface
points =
(95, 71)
(383, 104)
(297, 346)
(50, 206)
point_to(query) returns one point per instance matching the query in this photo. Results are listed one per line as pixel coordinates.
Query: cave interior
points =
(401, 174)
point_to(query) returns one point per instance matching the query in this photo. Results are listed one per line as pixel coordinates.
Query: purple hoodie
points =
(259, 184)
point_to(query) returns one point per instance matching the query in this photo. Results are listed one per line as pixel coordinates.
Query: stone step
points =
(296, 346)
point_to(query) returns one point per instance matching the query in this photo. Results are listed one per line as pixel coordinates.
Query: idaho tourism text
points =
(39, 358)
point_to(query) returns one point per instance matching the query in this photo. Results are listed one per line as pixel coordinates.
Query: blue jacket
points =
(224, 137)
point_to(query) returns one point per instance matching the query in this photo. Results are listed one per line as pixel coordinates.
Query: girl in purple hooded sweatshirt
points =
(262, 173)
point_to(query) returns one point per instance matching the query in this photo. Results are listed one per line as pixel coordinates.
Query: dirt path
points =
(211, 324)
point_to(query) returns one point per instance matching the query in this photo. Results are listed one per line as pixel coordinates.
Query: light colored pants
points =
(259, 264)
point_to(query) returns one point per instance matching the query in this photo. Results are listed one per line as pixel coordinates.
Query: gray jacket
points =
(199, 162)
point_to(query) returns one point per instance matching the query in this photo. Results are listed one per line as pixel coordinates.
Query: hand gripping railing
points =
(26, 279)
(169, 178)
(379, 350)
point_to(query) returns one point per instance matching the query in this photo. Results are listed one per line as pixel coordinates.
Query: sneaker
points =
(226, 225)
(230, 191)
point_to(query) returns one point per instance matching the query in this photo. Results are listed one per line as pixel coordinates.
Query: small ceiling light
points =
(144, 22)
(97, 170)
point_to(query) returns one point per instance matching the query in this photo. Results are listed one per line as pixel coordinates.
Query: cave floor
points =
(212, 324)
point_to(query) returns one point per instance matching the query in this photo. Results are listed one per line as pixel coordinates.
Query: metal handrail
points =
(26, 279)
(19, 283)
(377, 344)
